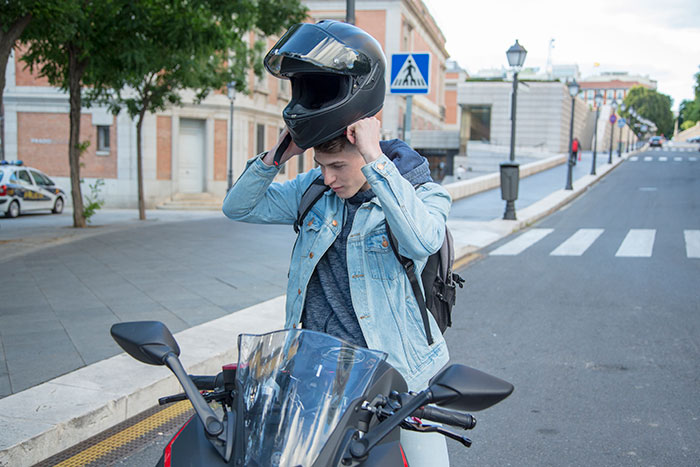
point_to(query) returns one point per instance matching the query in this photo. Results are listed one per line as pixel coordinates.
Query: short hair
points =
(333, 146)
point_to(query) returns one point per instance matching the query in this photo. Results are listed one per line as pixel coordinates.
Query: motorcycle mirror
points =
(460, 387)
(147, 341)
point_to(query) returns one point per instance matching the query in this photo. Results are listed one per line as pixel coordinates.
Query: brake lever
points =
(437, 429)
(208, 396)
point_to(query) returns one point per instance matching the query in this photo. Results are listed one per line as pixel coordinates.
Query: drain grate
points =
(118, 442)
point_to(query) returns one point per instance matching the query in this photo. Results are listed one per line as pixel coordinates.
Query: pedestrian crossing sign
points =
(410, 73)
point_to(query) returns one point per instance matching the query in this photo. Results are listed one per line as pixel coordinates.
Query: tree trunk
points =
(139, 165)
(76, 68)
(7, 42)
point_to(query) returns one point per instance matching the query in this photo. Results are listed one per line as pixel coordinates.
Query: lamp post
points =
(621, 125)
(510, 170)
(573, 91)
(598, 99)
(613, 104)
(231, 91)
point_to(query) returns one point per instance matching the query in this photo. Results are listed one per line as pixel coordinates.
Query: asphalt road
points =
(603, 349)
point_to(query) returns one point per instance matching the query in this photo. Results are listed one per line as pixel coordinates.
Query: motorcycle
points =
(304, 398)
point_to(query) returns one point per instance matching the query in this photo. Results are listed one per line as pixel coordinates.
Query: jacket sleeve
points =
(257, 199)
(416, 216)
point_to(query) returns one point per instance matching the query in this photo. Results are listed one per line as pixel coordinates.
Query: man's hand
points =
(365, 135)
(291, 151)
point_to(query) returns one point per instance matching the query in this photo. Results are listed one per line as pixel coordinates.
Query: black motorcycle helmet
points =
(337, 75)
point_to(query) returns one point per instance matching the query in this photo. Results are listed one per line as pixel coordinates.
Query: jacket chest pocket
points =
(382, 261)
(310, 226)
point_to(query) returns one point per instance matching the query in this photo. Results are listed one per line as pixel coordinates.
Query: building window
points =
(590, 94)
(260, 140)
(610, 94)
(102, 139)
(620, 94)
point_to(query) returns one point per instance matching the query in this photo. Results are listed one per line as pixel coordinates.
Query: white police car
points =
(24, 189)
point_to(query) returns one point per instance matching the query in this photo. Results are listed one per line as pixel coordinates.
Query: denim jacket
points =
(382, 297)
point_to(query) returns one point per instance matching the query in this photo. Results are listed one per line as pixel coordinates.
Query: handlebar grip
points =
(447, 417)
(207, 382)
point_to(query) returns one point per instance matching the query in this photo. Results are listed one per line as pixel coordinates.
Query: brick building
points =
(185, 148)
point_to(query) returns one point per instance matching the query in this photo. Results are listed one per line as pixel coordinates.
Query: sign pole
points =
(407, 120)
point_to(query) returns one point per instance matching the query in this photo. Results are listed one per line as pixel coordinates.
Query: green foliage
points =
(169, 46)
(92, 201)
(689, 111)
(687, 124)
(651, 105)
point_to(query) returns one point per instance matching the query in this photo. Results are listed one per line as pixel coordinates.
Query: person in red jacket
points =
(575, 145)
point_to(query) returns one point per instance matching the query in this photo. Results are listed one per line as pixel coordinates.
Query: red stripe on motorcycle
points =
(166, 453)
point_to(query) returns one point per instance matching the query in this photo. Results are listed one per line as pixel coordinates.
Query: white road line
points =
(663, 158)
(648, 158)
(693, 159)
(634, 158)
(578, 243)
(522, 242)
(692, 243)
(638, 243)
(677, 159)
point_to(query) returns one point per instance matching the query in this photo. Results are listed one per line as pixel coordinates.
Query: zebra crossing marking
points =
(663, 158)
(522, 242)
(648, 158)
(677, 159)
(638, 243)
(634, 158)
(578, 243)
(692, 243)
(692, 159)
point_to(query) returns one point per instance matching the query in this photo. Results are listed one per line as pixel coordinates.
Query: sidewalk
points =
(186, 274)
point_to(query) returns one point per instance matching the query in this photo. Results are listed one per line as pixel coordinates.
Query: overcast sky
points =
(660, 39)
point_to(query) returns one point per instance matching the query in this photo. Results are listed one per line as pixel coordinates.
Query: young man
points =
(344, 278)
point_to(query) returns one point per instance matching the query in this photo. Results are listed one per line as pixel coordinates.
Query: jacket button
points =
(311, 255)
(299, 291)
(385, 243)
(334, 223)
(309, 223)
(380, 166)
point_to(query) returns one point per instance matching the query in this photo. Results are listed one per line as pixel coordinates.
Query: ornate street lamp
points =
(613, 104)
(598, 99)
(621, 124)
(510, 170)
(573, 91)
(231, 91)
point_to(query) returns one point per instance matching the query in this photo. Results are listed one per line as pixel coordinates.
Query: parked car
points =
(656, 141)
(694, 139)
(24, 189)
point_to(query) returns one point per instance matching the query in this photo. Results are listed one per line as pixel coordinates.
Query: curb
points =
(468, 241)
(44, 420)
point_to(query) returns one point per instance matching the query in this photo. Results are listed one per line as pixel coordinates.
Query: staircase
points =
(192, 202)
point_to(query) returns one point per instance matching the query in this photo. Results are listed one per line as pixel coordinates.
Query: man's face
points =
(342, 171)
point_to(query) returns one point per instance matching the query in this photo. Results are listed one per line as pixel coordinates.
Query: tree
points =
(689, 111)
(171, 46)
(651, 105)
(77, 39)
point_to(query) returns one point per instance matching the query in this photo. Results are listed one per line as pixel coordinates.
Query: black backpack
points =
(439, 281)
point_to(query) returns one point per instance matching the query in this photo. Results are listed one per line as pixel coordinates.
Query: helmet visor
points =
(307, 43)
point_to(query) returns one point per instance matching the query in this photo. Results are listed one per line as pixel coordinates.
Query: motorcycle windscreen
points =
(296, 385)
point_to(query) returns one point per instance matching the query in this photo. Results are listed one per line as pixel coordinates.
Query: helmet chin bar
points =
(281, 148)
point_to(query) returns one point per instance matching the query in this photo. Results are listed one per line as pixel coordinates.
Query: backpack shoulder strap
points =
(312, 194)
(410, 269)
